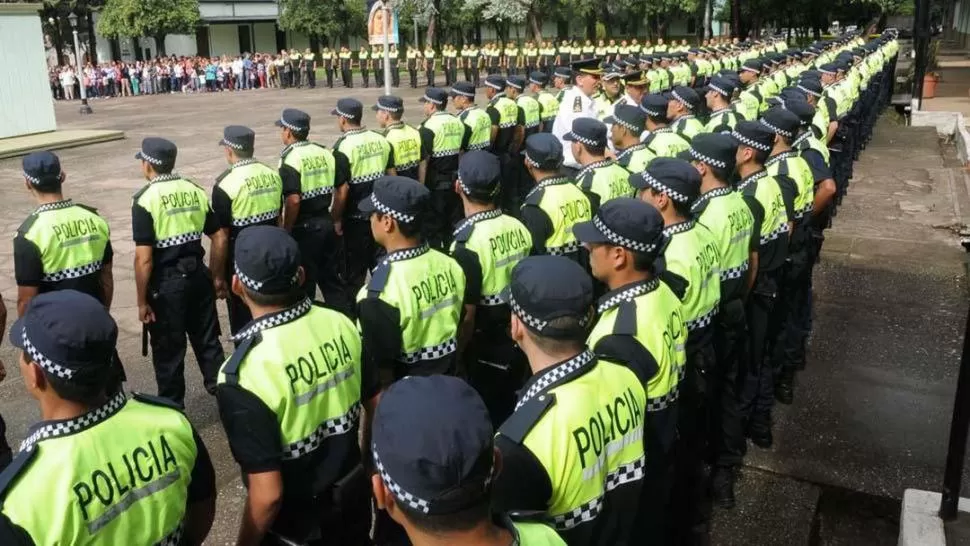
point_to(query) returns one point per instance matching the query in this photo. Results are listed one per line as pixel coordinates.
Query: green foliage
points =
(324, 17)
(159, 18)
(514, 11)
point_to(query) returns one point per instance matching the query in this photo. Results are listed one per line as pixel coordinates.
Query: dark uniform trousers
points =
(660, 434)
(446, 211)
(6, 454)
(413, 76)
(320, 248)
(329, 71)
(311, 76)
(239, 314)
(757, 394)
(395, 74)
(726, 431)
(347, 76)
(379, 71)
(183, 300)
(429, 72)
(365, 75)
(495, 366)
(360, 253)
(790, 331)
(690, 503)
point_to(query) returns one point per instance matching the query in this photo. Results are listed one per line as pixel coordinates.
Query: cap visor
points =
(569, 137)
(587, 232)
(278, 123)
(375, 107)
(609, 120)
(138, 155)
(16, 334)
(366, 205)
(422, 99)
(685, 155)
(334, 112)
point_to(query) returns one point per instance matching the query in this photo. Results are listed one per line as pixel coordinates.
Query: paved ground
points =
(872, 409)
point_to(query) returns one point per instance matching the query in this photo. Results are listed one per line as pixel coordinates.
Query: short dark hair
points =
(354, 120)
(680, 207)
(643, 261)
(396, 116)
(721, 174)
(243, 154)
(48, 186)
(408, 229)
(663, 120)
(439, 107)
(87, 391)
(163, 169)
(594, 150)
(287, 299)
(760, 156)
(575, 342)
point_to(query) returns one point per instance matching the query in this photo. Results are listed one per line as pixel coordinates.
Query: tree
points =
(511, 11)
(155, 18)
(317, 18)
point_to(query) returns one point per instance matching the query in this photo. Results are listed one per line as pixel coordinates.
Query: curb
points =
(919, 521)
(949, 125)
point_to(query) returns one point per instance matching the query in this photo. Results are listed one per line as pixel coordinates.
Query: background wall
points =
(26, 105)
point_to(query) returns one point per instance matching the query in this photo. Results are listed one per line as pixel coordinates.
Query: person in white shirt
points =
(577, 103)
(67, 82)
(237, 73)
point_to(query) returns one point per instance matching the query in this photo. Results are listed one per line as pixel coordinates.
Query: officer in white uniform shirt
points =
(577, 103)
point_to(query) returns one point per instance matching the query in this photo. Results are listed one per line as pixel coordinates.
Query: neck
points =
(629, 142)
(54, 408)
(397, 242)
(259, 311)
(780, 148)
(539, 360)
(672, 217)
(719, 105)
(747, 169)
(475, 208)
(484, 534)
(351, 128)
(45, 198)
(626, 276)
(710, 183)
(588, 159)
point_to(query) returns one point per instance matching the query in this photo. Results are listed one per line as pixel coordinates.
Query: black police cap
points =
(239, 138)
(629, 117)
(781, 122)
(515, 82)
(792, 93)
(753, 135)
(543, 151)
(434, 462)
(545, 288)
(802, 109)
(829, 68)
(42, 168)
(464, 89)
(589, 66)
(403, 199)
(69, 334)
(625, 222)
(654, 105)
(715, 149)
(676, 178)
(563, 72)
(389, 103)
(811, 86)
(588, 131)
(686, 96)
(752, 65)
(434, 95)
(295, 120)
(637, 78)
(479, 174)
(722, 86)
(495, 81)
(267, 260)
(539, 78)
(158, 152)
(348, 108)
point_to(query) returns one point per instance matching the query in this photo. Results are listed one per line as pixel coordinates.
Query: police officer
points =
(659, 137)
(550, 445)
(771, 199)
(246, 194)
(62, 244)
(555, 204)
(455, 482)
(577, 102)
(293, 398)
(330, 60)
(315, 189)
(430, 63)
(549, 106)
(641, 324)
(726, 215)
(626, 125)
(377, 63)
(346, 60)
(369, 156)
(296, 60)
(364, 63)
(175, 290)
(508, 133)
(600, 177)
(410, 310)
(681, 105)
(395, 70)
(67, 341)
(6, 454)
(670, 185)
(407, 149)
(445, 136)
(478, 121)
(413, 58)
(531, 110)
(562, 78)
(723, 118)
(310, 60)
(487, 245)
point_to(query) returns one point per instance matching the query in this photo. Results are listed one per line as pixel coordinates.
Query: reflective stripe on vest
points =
(71, 240)
(665, 143)
(508, 111)
(427, 288)
(500, 242)
(565, 205)
(531, 109)
(481, 127)
(655, 304)
(635, 158)
(448, 133)
(767, 192)
(255, 190)
(367, 152)
(316, 165)
(406, 142)
(307, 368)
(178, 208)
(118, 474)
(550, 106)
(606, 179)
(693, 254)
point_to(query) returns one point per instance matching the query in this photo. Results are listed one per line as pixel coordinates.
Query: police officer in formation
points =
(600, 177)
(294, 398)
(445, 137)
(315, 189)
(479, 122)
(407, 148)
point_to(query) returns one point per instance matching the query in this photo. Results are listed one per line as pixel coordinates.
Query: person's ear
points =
(380, 491)
(237, 287)
(516, 329)
(300, 276)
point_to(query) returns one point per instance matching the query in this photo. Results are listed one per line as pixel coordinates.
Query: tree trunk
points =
(430, 33)
(536, 26)
(591, 25)
(160, 45)
(708, 18)
(736, 30)
(92, 39)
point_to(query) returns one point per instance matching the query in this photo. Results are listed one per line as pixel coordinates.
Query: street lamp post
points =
(85, 107)
(416, 45)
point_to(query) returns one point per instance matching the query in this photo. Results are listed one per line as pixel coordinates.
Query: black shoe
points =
(760, 435)
(785, 390)
(722, 487)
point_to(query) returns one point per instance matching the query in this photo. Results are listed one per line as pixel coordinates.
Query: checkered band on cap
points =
(681, 100)
(823, 71)
(513, 85)
(233, 145)
(627, 125)
(809, 91)
(428, 99)
(294, 127)
(494, 85)
(341, 113)
(55, 429)
(556, 374)
(47, 364)
(663, 188)
(411, 500)
(535, 323)
(620, 240)
(35, 181)
(462, 93)
(252, 283)
(778, 130)
(384, 209)
(719, 90)
(654, 113)
(584, 140)
(750, 143)
(149, 158)
(530, 161)
(706, 159)
(386, 108)
(537, 82)
(749, 69)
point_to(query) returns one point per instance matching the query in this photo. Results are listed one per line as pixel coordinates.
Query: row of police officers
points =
(623, 302)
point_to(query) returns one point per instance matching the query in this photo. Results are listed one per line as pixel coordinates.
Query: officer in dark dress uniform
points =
(175, 291)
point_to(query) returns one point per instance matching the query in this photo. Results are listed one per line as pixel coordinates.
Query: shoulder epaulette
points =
(338, 142)
(231, 368)
(222, 176)
(157, 401)
(535, 198)
(88, 208)
(15, 469)
(649, 139)
(626, 319)
(139, 193)
(525, 418)
(378, 279)
(586, 181)
(27, 223)
(465, 233)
